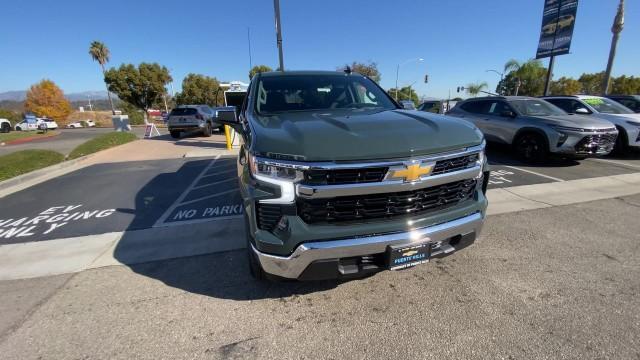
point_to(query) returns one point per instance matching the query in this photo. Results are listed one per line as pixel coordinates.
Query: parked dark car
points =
(630, 101)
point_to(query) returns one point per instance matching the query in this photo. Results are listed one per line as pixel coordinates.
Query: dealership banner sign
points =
(558, 20)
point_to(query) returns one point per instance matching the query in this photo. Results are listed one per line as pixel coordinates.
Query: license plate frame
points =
(405, 256)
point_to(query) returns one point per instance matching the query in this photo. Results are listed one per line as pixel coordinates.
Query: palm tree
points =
(100, 52)
(475, 89)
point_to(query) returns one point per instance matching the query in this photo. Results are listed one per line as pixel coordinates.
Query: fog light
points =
(562, 138)
(283, 224)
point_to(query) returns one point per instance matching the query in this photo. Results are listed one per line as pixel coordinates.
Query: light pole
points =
(501, 78)
(616, 29)
(398, 72)
(276, 8)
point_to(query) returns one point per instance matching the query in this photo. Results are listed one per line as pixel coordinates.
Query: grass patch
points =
(15, 135)
(21, 162)
(102, 142)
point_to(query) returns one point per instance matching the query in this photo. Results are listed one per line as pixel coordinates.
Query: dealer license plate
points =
(402, 257)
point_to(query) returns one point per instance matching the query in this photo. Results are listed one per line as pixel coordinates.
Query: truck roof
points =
(304, 72)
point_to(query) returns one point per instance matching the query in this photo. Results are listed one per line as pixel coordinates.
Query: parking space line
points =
(220, 173)
(619, 163)
(215, 183)
(184, 194)
(534, 173)
(208, 197)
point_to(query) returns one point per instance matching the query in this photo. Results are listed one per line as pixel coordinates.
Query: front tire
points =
(207, 132)
(18, 128)
(622, 142)
(175, 134)
(531, 147)
(6, 128)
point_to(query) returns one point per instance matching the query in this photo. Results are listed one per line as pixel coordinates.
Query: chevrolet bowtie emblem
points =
(409, 253)
(412, 172)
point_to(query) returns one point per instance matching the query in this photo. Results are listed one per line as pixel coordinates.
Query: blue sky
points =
(459, 40)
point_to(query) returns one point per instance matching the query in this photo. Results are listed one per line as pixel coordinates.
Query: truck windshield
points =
(285, 93)
(533, 107)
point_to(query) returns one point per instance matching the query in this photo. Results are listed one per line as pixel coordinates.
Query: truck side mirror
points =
(227, 116)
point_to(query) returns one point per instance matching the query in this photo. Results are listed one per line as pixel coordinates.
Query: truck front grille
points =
(455, 164)
(388, 205)
(377, 174)
(595, 144)
(344, 176)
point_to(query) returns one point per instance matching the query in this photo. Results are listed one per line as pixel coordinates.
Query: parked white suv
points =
(192, 118)
(626, 121)
(51, 124)
(5, 126)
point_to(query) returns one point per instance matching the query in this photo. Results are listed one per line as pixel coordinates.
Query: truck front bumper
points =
(344, 257)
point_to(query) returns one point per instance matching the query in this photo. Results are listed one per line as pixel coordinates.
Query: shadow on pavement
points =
(501, 154)
(213, 264)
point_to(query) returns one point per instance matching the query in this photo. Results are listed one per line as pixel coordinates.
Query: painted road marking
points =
(184, 194)
(534, 173)
(212, 195)
(48, 221)
(498, 177)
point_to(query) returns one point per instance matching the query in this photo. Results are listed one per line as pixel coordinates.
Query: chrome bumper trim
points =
(292, 266)
(330, 191)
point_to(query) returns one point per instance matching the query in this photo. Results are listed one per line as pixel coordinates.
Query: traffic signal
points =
(426, 79)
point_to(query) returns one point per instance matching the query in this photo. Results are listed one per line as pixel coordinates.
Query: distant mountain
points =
(13, 95)
(22, 95)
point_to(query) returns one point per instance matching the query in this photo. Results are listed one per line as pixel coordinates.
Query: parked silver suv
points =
(536, 128)
(186, 118)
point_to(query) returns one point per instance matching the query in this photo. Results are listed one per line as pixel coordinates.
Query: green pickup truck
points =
(339, 181)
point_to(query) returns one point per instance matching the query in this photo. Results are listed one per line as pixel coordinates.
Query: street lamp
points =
(398, 72)
(501, 77)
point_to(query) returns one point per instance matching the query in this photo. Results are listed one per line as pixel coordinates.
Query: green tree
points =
(200, 89)
(10, 115)
(258, 69)
(475, 89)
(626, 85)
(523, 78)
(100, 52)
(47, 99)
(591, 83)
(136, 116)
(369, 70)
(405, 93)
(566, 86)
(140, 86)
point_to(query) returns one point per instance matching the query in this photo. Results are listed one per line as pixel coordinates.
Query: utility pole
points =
(547, 84)
(616, 29)
(276, 7)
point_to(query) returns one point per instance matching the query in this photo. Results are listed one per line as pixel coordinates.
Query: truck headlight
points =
(275, 169)
(282, 174)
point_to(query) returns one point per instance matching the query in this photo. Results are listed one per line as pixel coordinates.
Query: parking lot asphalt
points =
(557, 283)
(66, 141)
(124, 196)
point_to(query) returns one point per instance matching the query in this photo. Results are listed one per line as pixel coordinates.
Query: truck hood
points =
(576, 121)
(364, 134)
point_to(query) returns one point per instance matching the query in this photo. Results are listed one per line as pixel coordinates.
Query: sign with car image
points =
(558, 20)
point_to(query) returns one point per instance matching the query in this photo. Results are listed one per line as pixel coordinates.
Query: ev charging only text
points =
(49, 220)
